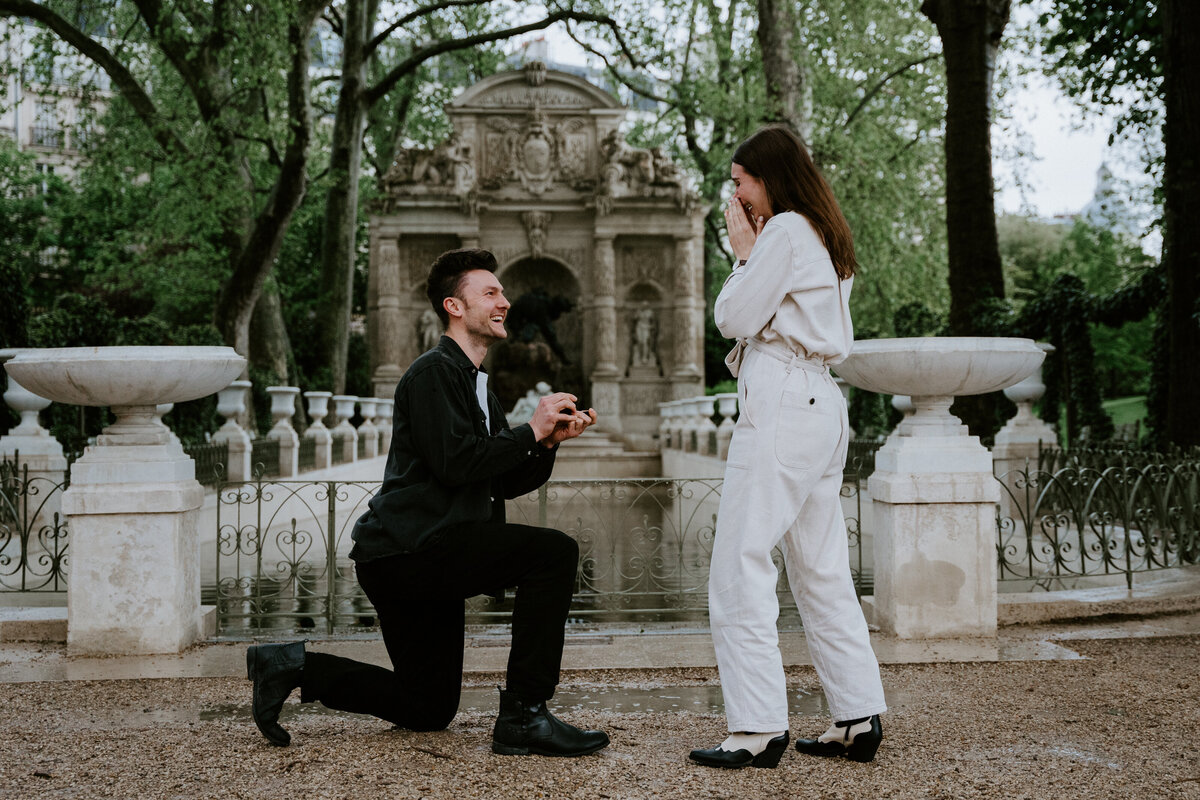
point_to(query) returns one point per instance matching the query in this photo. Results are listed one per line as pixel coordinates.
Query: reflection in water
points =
(645, 550)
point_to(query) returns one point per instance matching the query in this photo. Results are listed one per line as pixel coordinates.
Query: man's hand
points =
(579, 423)
(553, 410)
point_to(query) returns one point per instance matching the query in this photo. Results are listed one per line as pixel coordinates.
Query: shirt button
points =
(492, 499)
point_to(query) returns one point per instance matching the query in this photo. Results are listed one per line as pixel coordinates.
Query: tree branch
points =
(121, 77)
(879, 86)
(417, 14)
(188, 58)
(617, 76)
(422, 55)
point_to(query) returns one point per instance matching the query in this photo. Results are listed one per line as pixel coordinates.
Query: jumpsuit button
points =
(812, 400)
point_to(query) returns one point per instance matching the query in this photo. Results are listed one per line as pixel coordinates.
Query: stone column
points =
(231, 404)
(1017, 445)
(343, 405)
(687, 379)
(384, 311)
(283, 408)
(367, 429)
(935, 527)
(318, 407)
(40, 453)
(385, 424)
(606, 387)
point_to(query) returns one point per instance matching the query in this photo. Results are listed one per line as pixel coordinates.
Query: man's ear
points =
(453, 306)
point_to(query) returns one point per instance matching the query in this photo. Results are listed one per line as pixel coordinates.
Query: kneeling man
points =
(435, 535)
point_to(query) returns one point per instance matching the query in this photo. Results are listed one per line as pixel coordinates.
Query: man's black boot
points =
(276, 670)
(525, 727)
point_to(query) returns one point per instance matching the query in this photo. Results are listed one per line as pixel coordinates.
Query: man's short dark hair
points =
(447, 273)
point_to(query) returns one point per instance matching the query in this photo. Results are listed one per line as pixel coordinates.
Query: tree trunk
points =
(1181, 208)
(240, 293)
(970, 31)
(788, 90)
(341, 206)
(270, 346)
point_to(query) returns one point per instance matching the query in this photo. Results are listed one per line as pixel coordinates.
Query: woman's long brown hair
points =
(778, 158)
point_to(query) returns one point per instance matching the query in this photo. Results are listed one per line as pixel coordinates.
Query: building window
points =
(46, 131)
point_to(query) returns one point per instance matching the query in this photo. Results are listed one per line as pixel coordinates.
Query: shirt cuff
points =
(523, 434)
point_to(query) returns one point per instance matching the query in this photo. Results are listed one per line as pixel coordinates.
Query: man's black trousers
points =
(419, 599)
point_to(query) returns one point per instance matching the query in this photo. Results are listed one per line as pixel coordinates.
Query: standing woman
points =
(787, 304)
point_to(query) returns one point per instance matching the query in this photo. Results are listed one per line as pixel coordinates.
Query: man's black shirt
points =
(444, 466)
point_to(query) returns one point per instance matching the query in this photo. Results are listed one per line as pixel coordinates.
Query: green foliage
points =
(1108, 52)
(878, 94)
(1110, 289)
(24, 236)
(917, 319)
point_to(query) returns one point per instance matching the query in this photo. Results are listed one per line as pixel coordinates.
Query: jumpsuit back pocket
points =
(809, 430)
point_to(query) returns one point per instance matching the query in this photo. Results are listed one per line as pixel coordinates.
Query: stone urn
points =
(132, 505)
(933, 490)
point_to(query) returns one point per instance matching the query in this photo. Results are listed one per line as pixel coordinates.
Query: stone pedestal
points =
(318, 407)
(935, 528)
(40, 455)
(726, 407)
(1017, 445)
(367, 430)
(283, 408)
(135, 569)
(231, 404)
(343, 405)
(134, 584)
(384, 423)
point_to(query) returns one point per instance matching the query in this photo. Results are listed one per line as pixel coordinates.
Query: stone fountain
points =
(933, 489)
(134, 585)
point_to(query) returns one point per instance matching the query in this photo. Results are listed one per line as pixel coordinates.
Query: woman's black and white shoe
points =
(744, 750)
(855, 739)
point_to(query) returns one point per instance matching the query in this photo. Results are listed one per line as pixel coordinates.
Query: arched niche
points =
(538, 289)
(644, 323)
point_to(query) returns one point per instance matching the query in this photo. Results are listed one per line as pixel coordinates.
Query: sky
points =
(1059, 176)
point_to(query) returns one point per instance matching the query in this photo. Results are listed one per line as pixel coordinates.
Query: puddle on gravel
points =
(697, 699)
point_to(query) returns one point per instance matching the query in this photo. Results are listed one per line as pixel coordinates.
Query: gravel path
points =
(1121, 723)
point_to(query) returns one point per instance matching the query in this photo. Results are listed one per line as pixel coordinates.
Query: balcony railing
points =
(47, 136)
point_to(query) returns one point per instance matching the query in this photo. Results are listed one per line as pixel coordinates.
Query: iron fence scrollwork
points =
(1083, 519)
(33, 534)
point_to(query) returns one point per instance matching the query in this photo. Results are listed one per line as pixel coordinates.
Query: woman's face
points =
(750, 193)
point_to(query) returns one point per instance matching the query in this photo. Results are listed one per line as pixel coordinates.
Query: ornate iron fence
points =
(33, 534)
(307, 455)
(211, 459)
(1078, 521)
(264, 457)
(645, 548)
(339, 448)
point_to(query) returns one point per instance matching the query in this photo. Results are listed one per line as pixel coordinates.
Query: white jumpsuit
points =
(782, 485)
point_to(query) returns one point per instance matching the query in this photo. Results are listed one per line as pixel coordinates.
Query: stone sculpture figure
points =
(523, 410)
(644, 338)
(429, 330)
(537, 229)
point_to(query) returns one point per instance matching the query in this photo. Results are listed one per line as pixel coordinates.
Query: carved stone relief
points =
(537, 228)
(642, 264)
(638, 172)
(641, 398)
